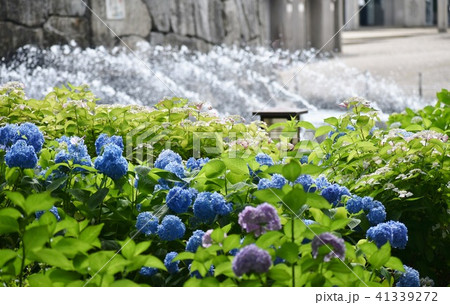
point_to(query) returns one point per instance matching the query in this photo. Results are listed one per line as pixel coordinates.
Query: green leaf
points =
(280, 273)
(269, 195)
(39, 280)
(299, 228)
(268, 239)
(16, 198)
(184, 256)
(128, 248)
(54, 258)
(10, 212)
(71, 246)
(316, 201)
(332, 121)
(289, 251)
(124, 283)
(6, 255)
(395, 264)
(292, 170)
(339, 224)
(310, 169)
(414, 128)
(8, 225)
(236, 165)
(35, 238)
(141, 247)
(231, 242)
(97, 198)
(323, 130)
(381, 257)
(295, 199)
(39, 202)
(91, 233)
(306, 125)
(213, 169)
(224, 268)
(155, 262)
(218, 235)
(368, 248)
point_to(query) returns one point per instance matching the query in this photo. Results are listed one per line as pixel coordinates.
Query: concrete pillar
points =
(322, 19)
(351, 7)
(442, 12)
(338, 24)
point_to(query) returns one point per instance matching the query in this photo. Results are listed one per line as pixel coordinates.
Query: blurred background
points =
(238, 55)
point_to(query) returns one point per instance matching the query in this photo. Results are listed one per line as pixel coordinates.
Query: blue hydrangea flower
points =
(220, 205)
(264, 159)
(399, 234)
(340, 134)
(148, 271)
(21, 155)
(350, 127)
(277, 182)
(165, 157)
(172, 267)
(111, 162)
(368, 203)
(308, 222)
(147, 223)
(410, 278)
(195, 241)
(176, 168)
(171, 228)
(103, 140)
(333, 194)
(179, 199)
(53, 210)
(193, 164)
(32, 135)
(304, 159)
(307, 182)
(354, 205)
(376, 215)
(322, 182)
(208, 205)
(76, 152)
(251, 259)
(264, 183)
(8, 135)
(380, 234)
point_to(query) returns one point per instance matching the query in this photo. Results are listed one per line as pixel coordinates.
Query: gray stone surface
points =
(14, 36)
(191, 43)
(137, 22)
(26, 12)
(231, 22)
(64, 29)
(182, 17)
(160, 13)
(156, 39)
(208, 20)
(67, 7)
(131, 42)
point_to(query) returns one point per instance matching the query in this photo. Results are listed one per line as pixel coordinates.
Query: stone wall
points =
(199, 24)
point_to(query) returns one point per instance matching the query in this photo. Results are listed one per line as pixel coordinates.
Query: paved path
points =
(401, 54)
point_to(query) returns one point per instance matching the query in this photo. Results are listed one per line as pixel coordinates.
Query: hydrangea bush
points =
(81, 211)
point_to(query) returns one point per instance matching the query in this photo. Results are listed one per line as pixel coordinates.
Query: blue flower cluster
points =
(333, 194)
(375, 210)
(276, 182)
(264, 159)
(147, 223)
(393, 231)
(21, 155)
(76, 151)
(304, 159)
(172, 267)
(148, 271)
(21, 143)
(171, 228)
(53, 210)
(195, 241)
(165, 157)
(193, 164)
(307, 182)
(179, 199)
(410, 278)
(111, 162)
(208, 205)
(103, 140)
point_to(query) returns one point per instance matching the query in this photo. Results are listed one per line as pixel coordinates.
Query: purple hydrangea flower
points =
(251, 259)
(337, 244)
(206, 239)
(260, 219)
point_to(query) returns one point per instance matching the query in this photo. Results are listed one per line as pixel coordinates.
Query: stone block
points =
(182, 18)
(209, 21)
(160, 13)
(64, 29)
(137, 22)
(67, 8)
(26, 12)
(13, 36)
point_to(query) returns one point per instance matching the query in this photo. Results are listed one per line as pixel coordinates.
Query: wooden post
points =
(442, 12)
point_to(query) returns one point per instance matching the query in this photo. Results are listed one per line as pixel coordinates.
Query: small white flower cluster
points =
(410, 174)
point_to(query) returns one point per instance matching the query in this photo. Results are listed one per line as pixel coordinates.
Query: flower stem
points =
(293, 240)
(22, 265)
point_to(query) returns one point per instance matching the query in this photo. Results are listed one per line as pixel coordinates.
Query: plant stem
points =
(293, 240)
(22, 265)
